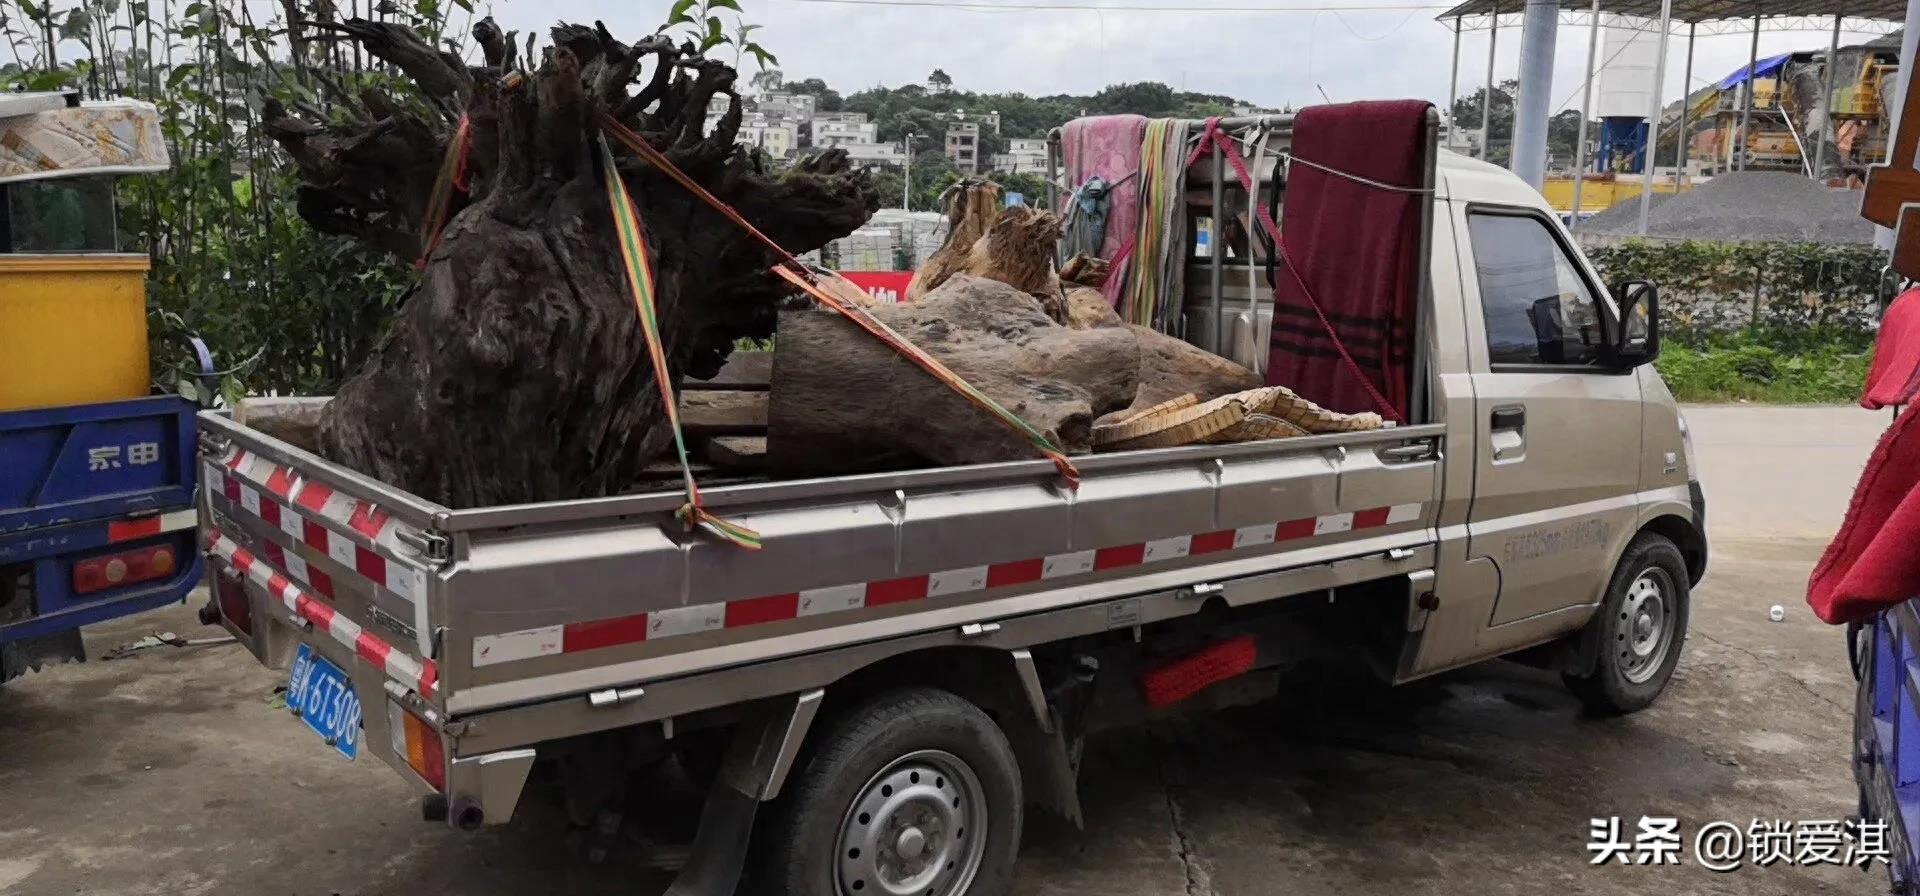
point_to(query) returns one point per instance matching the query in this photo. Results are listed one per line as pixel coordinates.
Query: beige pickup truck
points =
(915, 658)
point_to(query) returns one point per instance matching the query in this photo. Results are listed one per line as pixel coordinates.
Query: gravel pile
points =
(1624, 216)
(1750, 206)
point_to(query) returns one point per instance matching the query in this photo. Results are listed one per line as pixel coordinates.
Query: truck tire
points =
(915, 792)
(1633, 641)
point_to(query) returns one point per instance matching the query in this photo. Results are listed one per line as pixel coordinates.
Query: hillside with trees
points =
(926, 109)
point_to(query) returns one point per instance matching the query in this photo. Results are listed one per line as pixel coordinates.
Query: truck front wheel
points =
(1633, 642)
(914, 793)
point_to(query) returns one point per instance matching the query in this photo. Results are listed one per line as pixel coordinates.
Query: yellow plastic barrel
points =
(73, 329)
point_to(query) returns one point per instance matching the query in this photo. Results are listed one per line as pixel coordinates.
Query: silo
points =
(1630, 54)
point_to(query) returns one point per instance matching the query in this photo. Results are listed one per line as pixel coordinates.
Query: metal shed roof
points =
(1705, 10)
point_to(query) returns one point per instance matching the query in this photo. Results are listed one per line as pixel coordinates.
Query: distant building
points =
(796, 107)
(843, 128)
(1024, 154)
(778, 139)
(963, 146)
(885, 154)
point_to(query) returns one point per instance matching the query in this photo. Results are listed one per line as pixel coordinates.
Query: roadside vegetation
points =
(1770, 322)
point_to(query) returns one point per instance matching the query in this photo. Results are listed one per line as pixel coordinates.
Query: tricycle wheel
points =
(914, 793)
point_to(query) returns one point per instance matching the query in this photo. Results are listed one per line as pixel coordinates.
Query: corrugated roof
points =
(1707, 10)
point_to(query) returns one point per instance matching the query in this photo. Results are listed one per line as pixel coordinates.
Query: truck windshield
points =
(68, 214)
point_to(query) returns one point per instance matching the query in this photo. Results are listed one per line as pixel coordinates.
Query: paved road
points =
(171, 773)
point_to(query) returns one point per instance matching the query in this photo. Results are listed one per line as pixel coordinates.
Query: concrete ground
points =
(171, 772)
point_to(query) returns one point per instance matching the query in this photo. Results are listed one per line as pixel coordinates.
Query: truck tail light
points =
(420, 743)
(232, 597)
(124, 568)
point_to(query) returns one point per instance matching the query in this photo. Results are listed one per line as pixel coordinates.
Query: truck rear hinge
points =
(612, 697)
(431, 546)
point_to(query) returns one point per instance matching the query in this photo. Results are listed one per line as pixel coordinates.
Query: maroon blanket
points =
(1356, 248)
(1874, 561)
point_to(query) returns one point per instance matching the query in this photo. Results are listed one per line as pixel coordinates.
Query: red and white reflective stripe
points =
(273, 493)
(149, 526)
(418, 675)
(572, 637)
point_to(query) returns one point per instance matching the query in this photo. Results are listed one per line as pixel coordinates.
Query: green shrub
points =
(1826, 375)
(1810, 295)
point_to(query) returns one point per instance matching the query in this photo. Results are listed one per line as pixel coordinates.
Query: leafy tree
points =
(766, 80)
(1499, 136)
(827, 99)
(1149, 98)
(1562, 130)
(939, 81)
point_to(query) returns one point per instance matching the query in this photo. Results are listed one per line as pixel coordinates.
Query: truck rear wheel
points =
(1634, 639)
(914, 793)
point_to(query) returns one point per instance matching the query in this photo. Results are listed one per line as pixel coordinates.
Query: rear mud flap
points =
(17, 658)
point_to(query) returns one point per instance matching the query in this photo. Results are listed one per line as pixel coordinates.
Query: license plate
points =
(323, 697)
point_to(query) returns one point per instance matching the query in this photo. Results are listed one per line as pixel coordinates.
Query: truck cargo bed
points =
(508, 605)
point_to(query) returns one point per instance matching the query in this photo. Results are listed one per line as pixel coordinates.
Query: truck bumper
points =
(482, 790)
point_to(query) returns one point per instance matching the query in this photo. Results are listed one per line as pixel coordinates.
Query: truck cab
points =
(96, 471)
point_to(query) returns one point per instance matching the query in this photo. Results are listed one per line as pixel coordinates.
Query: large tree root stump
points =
(842, 401)
(516, 371)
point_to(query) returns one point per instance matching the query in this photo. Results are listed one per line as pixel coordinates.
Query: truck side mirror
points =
(1635, 339)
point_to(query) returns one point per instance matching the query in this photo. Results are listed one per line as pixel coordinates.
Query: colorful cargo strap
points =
(452, 177)
(805, 279)
(633, 254)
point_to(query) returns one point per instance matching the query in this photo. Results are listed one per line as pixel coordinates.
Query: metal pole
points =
(1486, 99)
(906, 183)
(1538, 28)
(1825, 124)
(1453, 80)
(1586, 105)
(1653, 115)
(1217, 254)
(1909, 46)
(1686, 98)
(1746, 101)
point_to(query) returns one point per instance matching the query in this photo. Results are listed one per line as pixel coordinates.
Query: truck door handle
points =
(1509, 418)
(1410, 452)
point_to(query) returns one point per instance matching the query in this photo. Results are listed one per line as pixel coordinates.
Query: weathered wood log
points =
(972, 205)
(1170, 368)
(842, 401)
(516, 370)
(744, 454)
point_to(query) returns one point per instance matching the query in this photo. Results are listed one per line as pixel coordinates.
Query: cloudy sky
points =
(1393, 49)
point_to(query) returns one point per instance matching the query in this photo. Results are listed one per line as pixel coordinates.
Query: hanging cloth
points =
(1351, 250)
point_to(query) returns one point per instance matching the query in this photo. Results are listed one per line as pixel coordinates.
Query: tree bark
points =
(844, 402)
(516, 370)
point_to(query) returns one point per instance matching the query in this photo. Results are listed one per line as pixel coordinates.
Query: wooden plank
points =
(738, 453)
(704, 414)
(744, 372)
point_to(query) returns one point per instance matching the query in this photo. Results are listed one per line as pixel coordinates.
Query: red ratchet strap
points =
(1215, 137)
(452, 177)
(797, 273)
